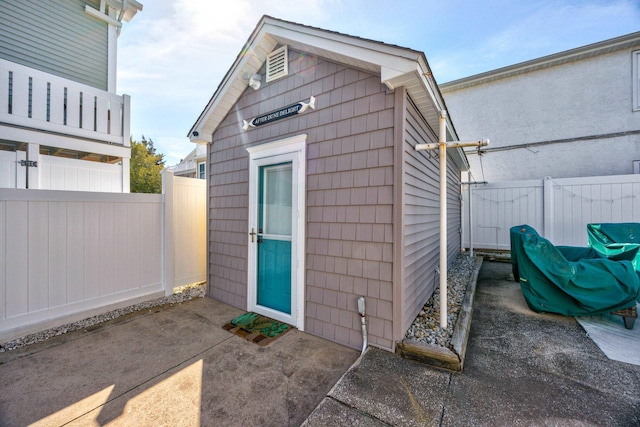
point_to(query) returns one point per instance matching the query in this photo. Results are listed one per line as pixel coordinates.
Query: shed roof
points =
(397, 66)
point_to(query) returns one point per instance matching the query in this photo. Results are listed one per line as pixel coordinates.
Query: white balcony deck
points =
(36, 100)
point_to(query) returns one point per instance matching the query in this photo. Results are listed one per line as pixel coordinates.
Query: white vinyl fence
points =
(67, 255)
(59, 173)
(12, 175)
(185, 202)
(559, 209)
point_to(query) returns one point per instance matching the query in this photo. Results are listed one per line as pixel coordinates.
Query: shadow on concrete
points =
(172, 365)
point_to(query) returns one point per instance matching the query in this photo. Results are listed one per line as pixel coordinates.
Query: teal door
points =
(274, 237)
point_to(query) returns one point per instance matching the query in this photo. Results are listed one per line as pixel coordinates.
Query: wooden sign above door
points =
(282, 113)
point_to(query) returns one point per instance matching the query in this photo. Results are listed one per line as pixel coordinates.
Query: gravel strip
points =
(181, 294)
(426, 327)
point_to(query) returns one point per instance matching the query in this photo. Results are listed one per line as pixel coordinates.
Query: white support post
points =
(470, 219)
(548, 208)
(112, 51)
(126, 175)
(33, 175)
(443, 218)
(126, 120)
(442, 146)
(168, 262)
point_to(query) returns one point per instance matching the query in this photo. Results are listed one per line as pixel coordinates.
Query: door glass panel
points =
(276, 209)
(274, 237)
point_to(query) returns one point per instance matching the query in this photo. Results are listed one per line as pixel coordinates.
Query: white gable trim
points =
(394, 64)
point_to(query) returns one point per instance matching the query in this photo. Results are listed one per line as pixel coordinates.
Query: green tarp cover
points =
(568, 280)
(617, 241)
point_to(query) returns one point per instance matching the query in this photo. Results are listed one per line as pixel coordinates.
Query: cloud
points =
(535, 29)
(173, 55)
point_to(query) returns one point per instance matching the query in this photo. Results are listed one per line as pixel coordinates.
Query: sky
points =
(174, 53)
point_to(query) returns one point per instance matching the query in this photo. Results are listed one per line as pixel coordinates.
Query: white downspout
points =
(443, 145)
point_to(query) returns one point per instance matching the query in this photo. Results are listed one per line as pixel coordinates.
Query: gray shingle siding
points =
(350, 188)
(349, 199)
(349, 195)
(57, 37)
(421, 235)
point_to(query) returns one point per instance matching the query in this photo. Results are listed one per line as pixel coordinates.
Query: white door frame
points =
(292, 150)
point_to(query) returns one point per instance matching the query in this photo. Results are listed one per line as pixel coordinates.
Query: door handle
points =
(253, 235)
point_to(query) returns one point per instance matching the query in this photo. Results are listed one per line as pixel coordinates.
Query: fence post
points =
(126, 175)
(547, 212)
(33, 173)
(168, 242)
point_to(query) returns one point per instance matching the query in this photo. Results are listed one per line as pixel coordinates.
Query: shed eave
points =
(396, 66)
(359, 53)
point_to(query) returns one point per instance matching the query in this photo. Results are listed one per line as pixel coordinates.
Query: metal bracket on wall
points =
(29, 163)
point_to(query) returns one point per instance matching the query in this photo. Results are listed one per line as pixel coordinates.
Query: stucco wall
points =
(349, 195)
(579, 99)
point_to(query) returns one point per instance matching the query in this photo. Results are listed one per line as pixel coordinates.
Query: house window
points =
(202, 170)
(635, 57)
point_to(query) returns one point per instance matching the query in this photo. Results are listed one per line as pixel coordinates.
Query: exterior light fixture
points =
(254, 80)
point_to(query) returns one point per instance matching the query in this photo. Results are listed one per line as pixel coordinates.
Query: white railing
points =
(68, 255)
(189, 165)
(558, 208)
(39, 100)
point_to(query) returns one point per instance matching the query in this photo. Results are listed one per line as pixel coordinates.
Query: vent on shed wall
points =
(277, 64)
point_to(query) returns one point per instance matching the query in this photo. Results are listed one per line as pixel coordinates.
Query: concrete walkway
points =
(521, 369)
(176, 367)
(170, 366)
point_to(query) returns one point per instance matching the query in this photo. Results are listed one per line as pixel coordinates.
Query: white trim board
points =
(291, 149)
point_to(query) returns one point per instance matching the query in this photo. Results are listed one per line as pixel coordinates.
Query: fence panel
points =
(185, 200)
(580, 201)
(64, 254)
(59, 173)
(12, 173)
(559, 209)
(497, 206)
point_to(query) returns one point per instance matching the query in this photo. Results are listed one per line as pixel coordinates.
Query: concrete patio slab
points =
(521, 368)
(177, 366)
(171, 365)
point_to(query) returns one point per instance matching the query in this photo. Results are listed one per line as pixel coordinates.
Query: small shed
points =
(316, 194)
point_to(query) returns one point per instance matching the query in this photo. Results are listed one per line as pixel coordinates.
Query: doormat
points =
(257, 328)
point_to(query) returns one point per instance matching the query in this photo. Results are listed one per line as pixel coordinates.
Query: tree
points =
(145, 167)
